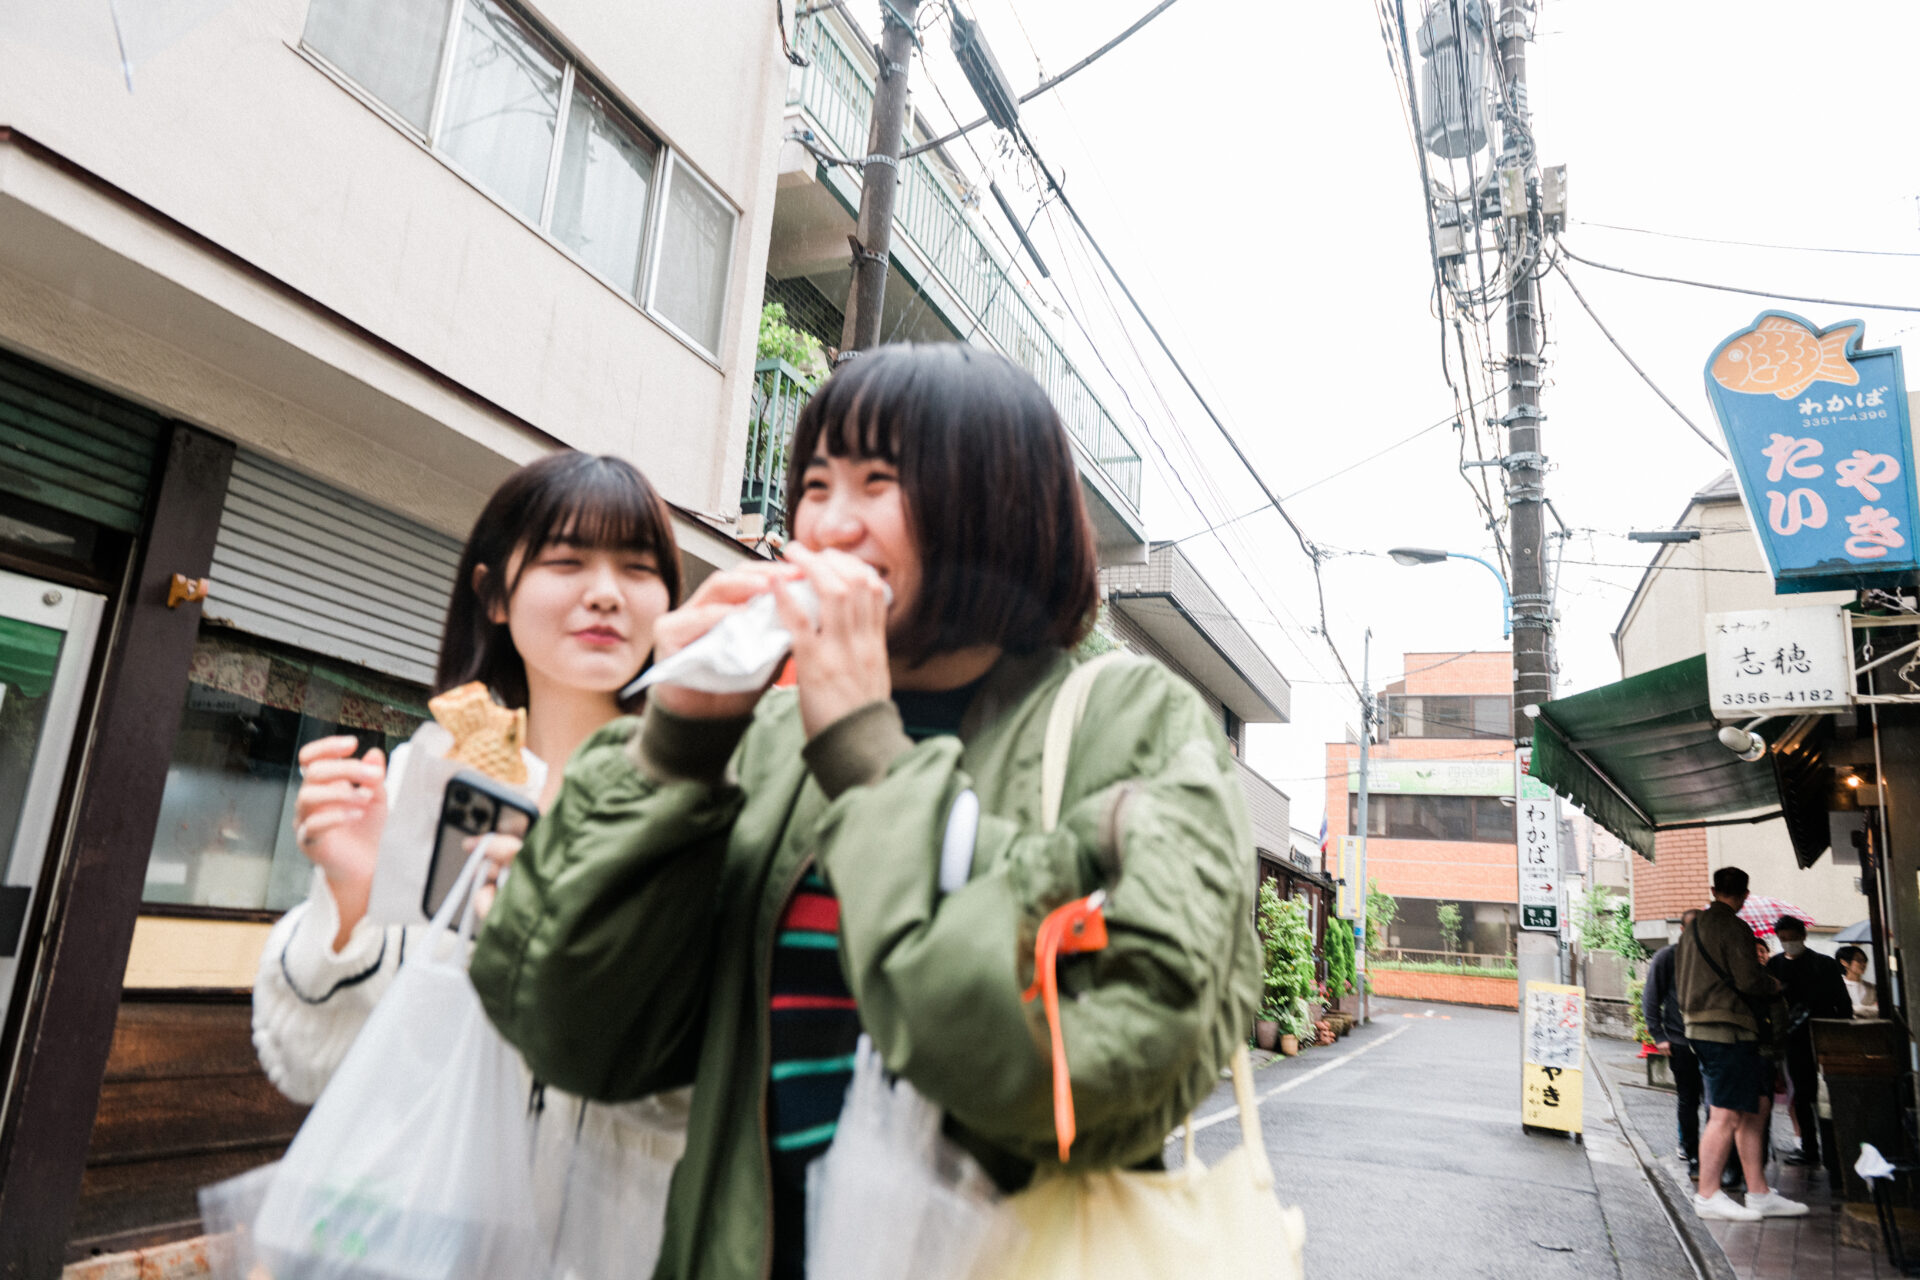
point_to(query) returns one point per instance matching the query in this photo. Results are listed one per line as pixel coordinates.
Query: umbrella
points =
(1862, 932)
(1760, 912)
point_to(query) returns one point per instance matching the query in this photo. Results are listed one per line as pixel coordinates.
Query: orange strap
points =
(1072, 929)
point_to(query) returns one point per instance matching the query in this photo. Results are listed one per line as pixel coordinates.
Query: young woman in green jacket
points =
(730, 889)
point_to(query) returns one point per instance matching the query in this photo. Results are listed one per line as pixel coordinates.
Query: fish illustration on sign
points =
(1783, 356)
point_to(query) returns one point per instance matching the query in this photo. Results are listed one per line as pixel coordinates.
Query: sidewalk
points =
(1806, 1248)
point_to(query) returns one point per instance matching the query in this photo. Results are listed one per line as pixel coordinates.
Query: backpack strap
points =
(1069, 707)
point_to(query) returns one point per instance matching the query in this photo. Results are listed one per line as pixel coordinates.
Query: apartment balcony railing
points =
(779, 390)
(836, 92)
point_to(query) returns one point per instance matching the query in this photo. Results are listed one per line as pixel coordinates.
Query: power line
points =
(1334, 475)
(1728, 288)
(1607, 333)
(1306, 544)
(1662, 568)
(1051, 81)
(1753, 244)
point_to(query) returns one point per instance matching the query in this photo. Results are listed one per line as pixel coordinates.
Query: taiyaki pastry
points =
(486, 736)
(1782, 356)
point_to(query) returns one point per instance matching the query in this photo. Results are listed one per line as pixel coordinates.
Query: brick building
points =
(1440, 816)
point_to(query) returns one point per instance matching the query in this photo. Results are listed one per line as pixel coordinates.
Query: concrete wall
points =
(234, 135)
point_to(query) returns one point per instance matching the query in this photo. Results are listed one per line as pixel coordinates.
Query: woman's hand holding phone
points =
(338, 815)
(840, 663)
(718, 596)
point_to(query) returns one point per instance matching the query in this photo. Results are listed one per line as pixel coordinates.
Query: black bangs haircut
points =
(992, 493)
(594, 503)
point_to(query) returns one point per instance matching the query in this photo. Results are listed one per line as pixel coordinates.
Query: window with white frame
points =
(496, 99)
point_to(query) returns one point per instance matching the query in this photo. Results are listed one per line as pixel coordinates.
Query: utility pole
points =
(879, 179)
(1538, 953)
(1360, 824)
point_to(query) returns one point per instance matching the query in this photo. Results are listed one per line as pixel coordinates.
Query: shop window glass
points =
(600, 206)
(225, 836)
(390, 47)
(503, 107)
(1448, 716)
(690, 288)
(1403, 817)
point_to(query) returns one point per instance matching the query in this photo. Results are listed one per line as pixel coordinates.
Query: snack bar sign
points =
(1764, 661)
(1822, 449)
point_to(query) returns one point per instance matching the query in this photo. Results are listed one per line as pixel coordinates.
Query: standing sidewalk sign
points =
(1347, 892)
(1537, 834)
(1769, 661)
(1821, 446)
(1550, 1079)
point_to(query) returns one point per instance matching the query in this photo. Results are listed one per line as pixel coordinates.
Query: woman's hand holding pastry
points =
(717, 597)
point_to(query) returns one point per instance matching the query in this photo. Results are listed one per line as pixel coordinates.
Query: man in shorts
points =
(1723, 994)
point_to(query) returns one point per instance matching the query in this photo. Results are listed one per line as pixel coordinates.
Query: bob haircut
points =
(992, 494)
(595, 503)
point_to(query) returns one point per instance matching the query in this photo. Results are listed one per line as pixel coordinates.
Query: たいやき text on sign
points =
(1823, 451)
(1550, 1078)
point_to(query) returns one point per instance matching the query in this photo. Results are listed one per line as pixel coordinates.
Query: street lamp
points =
(1424, 555)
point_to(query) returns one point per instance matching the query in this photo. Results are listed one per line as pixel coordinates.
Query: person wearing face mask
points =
(559, 585)
(864, 852)
(1815, 983)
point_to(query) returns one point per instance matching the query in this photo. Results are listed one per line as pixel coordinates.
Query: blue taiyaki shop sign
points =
(1822, 450)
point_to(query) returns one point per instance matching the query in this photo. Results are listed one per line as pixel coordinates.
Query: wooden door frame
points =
(94, 888)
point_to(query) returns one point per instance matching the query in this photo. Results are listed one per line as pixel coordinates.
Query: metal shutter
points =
(303, 563)
(68, 446)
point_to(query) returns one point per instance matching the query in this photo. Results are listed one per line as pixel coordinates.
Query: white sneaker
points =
(1775, 1205)
(1724, 1207)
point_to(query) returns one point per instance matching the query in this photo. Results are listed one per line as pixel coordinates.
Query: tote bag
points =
(1118, 1224)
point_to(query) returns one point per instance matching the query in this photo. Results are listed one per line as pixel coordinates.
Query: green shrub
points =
(1449, 913)
(1442, 966)
(781, 341)
(1286, 946)
(1340, 967)
(1382, 908)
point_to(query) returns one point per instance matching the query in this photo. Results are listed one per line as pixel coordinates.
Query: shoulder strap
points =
(1069, 705)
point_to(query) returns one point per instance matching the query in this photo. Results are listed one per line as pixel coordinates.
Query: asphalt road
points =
(1403, 1145)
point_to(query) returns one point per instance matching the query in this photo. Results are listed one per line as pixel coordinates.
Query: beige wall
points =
(1666, 623)
(478, 341)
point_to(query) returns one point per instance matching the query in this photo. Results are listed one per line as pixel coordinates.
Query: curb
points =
(1702, 1250)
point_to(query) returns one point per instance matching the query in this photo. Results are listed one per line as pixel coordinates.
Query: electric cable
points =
(1753, 244)
(1600, 324)
(1728, 288)
(1306, 544)
(1051, 82)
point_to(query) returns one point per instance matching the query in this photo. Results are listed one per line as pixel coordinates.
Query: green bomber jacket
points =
(630, 950)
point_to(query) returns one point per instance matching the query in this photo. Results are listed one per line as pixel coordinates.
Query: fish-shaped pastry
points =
(1785, 357)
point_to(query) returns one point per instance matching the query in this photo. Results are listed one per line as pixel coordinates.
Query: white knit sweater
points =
(599, 1169)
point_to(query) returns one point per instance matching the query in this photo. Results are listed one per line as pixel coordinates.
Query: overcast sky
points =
(1249, 169)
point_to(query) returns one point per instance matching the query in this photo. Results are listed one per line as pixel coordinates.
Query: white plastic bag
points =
(894, 1200)
(602, 1170)
(416, 1163)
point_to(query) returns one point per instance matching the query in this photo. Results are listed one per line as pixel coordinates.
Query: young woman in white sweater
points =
(553, 609)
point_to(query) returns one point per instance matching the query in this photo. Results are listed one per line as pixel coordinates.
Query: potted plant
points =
(1286, 947)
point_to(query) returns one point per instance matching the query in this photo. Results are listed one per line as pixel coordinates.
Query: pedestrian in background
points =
(1723, 996)
(1853, 971)
(1660, 1005)
(1814, 987)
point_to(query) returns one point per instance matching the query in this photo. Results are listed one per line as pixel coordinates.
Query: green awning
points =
(29, 655)
(1642, 755)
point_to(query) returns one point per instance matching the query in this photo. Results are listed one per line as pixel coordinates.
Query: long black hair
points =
(591, 502)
